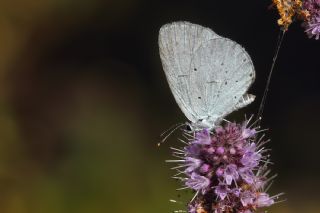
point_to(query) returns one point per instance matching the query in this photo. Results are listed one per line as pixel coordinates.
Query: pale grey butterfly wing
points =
(178, 42)
(208, 75)
(222, 73)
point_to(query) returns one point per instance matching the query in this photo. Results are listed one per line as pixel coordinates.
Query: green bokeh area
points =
(83, 100)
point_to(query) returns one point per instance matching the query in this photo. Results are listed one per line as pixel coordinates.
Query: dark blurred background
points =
(83, 100)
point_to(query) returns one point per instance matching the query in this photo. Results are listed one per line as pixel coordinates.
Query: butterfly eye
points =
(188, 128)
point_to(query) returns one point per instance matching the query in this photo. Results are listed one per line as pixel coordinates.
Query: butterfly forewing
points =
(178, 42)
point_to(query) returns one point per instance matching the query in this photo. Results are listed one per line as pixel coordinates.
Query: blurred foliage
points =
(83, 100)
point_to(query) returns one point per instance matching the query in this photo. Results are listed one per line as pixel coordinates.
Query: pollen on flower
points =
(227, 168)
(288, 10)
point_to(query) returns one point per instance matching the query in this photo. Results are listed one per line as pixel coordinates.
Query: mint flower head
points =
(227, 169)
(313, 28)
(312, 24)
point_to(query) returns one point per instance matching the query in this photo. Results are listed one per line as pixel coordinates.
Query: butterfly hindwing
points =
(224, 74)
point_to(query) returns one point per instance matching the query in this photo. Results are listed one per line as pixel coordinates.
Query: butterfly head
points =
(208, 122)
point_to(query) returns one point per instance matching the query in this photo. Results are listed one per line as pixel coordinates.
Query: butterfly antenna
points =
(170, 128)
(275, 56)
(169, 131)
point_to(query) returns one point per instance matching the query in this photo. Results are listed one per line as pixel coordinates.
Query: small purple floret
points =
(247, 198)
(205, 168)
(247, 175)
(230, 174)
(220, 150)
(219, 172)
(248, 133)
(250, 159)
(203, 137)
(198, 182)
(193, 164)
(263, 200)
(222, 191)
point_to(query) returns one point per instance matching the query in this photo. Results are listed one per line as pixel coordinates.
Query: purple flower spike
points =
(198, 183)
(312, 25)
(224, 167)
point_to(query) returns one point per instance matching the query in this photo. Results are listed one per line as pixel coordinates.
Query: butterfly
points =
(208, 75)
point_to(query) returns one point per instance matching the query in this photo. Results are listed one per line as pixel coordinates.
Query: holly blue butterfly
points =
(209, 75)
